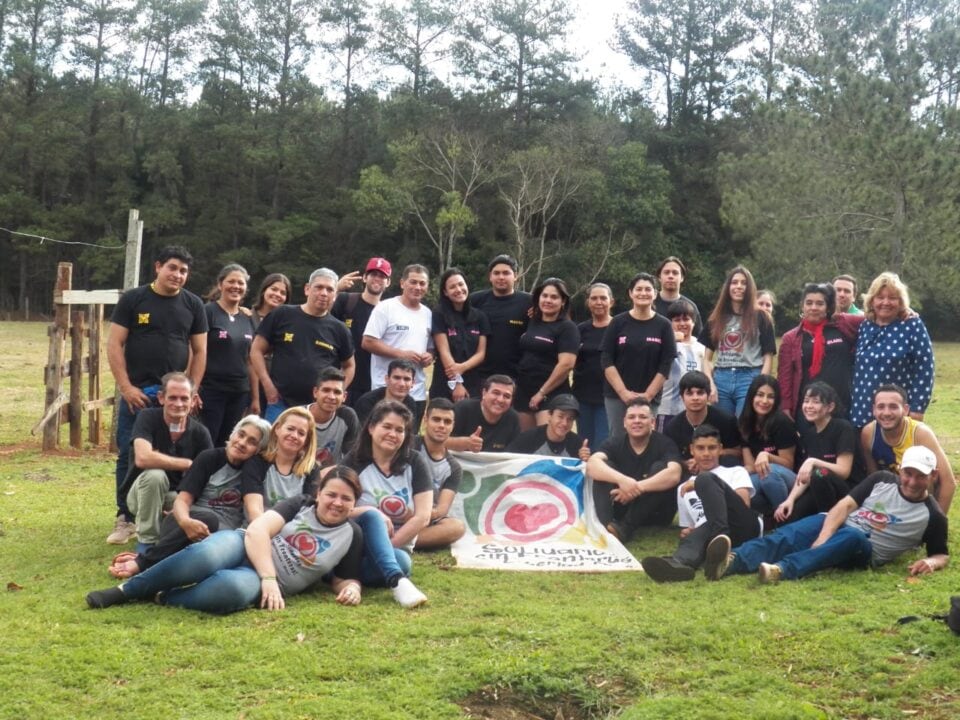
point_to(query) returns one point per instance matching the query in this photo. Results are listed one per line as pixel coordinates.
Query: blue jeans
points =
(773, 489)
(732, 385)
(273, 410)
(789, 547)
(383, 564)
(125, 419)
(212, 575)
(592, 423)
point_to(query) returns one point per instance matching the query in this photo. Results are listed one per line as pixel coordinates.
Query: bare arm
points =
(146, 458)
(258, 362)
(708, 371)
(376, 346)
(444, 501)
(116, 339)
(256, 541)
(945, 477)
(835, 519)
(866, 447)
(767, 365)
(619, 387)
(422, 506)
(349, 368)
(253, 506)
(198, 359)
(194, 529)
(929, 564)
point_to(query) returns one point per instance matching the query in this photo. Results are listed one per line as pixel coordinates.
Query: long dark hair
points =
(561, 287)
(749, 315)
(449, 312)
(267, 282)
(362, 453)
(749, 420)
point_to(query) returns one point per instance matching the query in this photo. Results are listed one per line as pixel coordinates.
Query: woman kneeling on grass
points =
(396, 501)
(285, 551)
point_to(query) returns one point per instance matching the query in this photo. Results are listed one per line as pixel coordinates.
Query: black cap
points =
(503, 260)
(565, 401)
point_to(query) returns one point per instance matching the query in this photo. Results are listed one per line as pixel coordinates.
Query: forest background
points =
(804, 139)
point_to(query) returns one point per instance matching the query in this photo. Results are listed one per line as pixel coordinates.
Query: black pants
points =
(654, 509)
(173, 538)
(726, 514)
(825, 491)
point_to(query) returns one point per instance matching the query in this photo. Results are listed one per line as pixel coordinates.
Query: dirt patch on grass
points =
(499, 703)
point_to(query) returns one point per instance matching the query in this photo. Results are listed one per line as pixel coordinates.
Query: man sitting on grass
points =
(716, 502)
(443, 530)
(882, 517)
(556, 438)
(165, 442)
(635, 475)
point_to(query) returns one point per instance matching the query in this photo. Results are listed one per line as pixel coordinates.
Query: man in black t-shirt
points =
(507, 310)
(488, 424)
(165, 442)
(635, 475)
(304, 340)
(353, 309)
(694, 389)
(401, 374)
(556, 437)
(155, 329)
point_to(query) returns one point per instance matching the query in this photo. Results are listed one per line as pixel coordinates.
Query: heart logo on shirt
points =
(392, 506)
(524, 519)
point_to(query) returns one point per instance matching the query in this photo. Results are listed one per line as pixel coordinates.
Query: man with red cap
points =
(354, 308)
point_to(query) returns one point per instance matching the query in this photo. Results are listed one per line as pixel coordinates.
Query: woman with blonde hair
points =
(893, 347)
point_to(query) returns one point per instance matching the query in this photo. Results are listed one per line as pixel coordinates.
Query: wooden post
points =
(54, 370)
(131, 278)
(93, 386)
(75, 411)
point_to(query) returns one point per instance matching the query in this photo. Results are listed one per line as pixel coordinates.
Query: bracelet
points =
(268, 577)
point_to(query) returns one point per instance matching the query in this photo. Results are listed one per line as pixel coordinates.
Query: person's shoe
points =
(123, 532)
(99, 599)
(661, 570)
(407, 594)
(769, 574)
(718, 558)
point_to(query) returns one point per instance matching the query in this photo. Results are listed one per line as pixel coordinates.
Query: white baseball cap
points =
(919, 458)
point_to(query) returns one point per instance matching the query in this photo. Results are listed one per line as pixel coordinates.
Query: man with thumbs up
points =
(488, 424)
(556, 437)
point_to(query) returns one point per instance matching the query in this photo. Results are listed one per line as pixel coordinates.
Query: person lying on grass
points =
(882, 517)
(285, 551)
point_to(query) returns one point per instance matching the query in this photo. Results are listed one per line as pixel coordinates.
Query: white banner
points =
(528, 512)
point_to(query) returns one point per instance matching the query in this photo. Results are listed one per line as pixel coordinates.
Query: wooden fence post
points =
(75, 411)
(93, 387)
(54, 370)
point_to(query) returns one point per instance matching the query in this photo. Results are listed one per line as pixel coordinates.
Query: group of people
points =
(262, 450)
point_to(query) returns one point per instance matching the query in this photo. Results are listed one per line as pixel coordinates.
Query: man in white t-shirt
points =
(400, 328)
(715, 504)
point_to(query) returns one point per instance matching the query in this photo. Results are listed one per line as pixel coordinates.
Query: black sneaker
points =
(99, 599)
(661, 570)
(718, 558)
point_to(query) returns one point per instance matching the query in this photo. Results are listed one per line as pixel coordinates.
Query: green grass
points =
(503, 645)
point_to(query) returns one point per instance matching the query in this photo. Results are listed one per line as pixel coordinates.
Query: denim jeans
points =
(773, 489)
(383, 564)
(125, 419)
(732, 385)
(212, 575)
(789, 547)
(592, 424)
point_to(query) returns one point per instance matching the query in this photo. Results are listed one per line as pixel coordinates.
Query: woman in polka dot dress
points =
(893, 346)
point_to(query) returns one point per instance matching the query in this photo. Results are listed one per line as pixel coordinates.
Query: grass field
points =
(489, 645)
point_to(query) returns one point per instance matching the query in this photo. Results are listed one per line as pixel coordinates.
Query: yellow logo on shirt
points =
(143, 318)
(325, 346)
(288, 337)
(349, 323)
(516, 322)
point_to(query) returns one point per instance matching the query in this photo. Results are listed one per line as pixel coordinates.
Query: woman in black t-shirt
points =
(275, 290)
(460, 335)
(638, 349)
(829, 446)
(588, 380)
(548, 352)
(225, 388)
(769, 444)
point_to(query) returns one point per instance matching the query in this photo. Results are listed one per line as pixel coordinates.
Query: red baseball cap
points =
(380, 265)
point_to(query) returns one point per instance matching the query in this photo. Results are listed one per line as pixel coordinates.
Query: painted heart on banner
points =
(524, 519)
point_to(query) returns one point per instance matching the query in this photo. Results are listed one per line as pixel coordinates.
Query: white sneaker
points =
(407, 595)
(123, 532)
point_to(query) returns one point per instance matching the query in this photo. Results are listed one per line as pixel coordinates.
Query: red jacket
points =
(789, 371)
